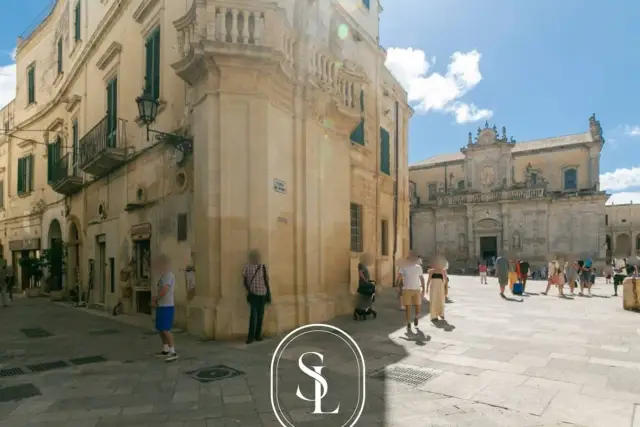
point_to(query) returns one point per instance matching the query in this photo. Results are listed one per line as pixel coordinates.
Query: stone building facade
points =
(293, 118)
(498, 196)
(623, 230)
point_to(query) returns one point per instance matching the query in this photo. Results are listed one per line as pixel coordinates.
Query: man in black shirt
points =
(524, 274)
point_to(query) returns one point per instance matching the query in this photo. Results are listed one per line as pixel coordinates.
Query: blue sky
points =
(538, 67)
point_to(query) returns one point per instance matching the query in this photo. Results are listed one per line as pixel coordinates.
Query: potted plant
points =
(53, 259)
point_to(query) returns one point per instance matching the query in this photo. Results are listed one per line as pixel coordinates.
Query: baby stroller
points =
(365, 297)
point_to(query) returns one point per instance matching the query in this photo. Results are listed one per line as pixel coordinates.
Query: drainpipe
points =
(395, 192)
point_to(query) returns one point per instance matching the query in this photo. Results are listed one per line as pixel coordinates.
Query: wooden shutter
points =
(50, 151)
(20, 175)
(357, 135)
(77, 21)
(30, 172)
(385, 154)
(74, 147)
(31, 80)
(148, 75)
(112, 112)
(60, 55)
(2, 194)
(156, 65)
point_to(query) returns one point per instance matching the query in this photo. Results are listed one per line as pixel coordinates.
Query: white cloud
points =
(8, 81)
(7, 84)
(632, 130)
(436, 91)
(620, 179)
(624, 198)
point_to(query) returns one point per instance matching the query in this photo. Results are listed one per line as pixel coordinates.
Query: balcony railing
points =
(65, 176)
(494, 196)
(103, 148)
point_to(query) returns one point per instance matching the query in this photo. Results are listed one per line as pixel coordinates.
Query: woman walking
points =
(556, 277)
(436, 289)
(482, 269)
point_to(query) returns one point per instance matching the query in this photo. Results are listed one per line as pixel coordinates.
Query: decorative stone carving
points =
(595, 129)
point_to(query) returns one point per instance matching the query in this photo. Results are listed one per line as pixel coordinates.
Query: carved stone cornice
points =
(72, 103)
(112, 51)
(144, 9)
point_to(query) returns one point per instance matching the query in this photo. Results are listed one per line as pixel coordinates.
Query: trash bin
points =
(630, 292)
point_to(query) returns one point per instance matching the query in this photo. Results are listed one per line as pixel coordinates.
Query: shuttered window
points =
(53, 157)
(385, 152)
(76, 22)
(152, 65)
(1, 194)
(25, 174)
(357, 136)
(112, 113)
(31, 85)
(60, 65)
(74, 147)
(356, 228)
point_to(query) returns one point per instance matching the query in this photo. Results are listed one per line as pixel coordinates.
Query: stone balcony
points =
(256, 30)
(258, 34)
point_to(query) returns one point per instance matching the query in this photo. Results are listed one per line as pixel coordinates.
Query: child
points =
(482, 269)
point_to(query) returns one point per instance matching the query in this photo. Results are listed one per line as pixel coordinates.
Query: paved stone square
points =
(546, 361)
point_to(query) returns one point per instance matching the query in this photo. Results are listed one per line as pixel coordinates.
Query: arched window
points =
(570, 179)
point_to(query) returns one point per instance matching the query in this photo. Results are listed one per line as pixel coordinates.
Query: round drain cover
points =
(215, 373)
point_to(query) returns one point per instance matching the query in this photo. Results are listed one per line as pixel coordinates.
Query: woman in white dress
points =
(436, 289)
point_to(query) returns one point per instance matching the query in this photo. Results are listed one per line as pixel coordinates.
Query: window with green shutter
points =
(25, 174)
(53, 157)
(31, 85)
(1, 194)
(60, 69)
(74, 148)
(77, 21)
(112, 113)
(385, 152)
(357, 136)
(152, 64)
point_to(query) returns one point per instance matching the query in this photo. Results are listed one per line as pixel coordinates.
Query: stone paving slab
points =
(545, 362)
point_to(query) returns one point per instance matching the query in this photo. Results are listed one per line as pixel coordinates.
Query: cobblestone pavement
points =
(546, 361)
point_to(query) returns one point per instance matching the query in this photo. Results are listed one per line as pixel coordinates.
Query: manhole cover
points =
(404, 375)
(36, 333)
(18, 392)
(104, 332)
(11, 372)
(47, 366)
(214, 373)
(87, 360)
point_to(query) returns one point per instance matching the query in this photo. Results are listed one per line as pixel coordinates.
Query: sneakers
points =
(162, 354)
(415, 322)
(171, 357)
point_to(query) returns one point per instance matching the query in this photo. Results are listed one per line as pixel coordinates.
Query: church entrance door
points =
(488, 248)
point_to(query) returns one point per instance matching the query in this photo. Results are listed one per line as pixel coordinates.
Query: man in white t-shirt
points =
(412, 284)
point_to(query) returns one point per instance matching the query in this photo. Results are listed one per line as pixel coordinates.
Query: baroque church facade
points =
(496, 196)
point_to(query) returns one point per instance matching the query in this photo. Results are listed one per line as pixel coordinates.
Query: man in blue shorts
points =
(164, 303)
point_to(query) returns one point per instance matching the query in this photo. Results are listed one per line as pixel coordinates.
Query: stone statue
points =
(513, 140)
(479, 130)
(495, 129)
(486, 124)
(595, 128)
(504, 133)
(470, 138)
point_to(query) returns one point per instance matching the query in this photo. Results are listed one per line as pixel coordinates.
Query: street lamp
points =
(148, 111)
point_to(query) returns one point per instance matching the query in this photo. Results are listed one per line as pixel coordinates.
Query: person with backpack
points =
(256, 283)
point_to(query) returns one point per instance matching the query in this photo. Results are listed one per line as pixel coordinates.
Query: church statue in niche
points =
(488, 176)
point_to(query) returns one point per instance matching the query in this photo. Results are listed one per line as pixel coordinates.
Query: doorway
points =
(488, 248)
(102, 270)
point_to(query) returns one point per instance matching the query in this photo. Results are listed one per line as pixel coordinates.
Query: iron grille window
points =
(356, 228)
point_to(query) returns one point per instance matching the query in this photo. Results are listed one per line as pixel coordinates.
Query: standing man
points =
(502, 273)
(165, 311)
(412, 288)
(256, 283)
(524, 274)
(10, 281)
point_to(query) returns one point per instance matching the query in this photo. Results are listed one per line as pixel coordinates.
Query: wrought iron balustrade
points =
(103, 147)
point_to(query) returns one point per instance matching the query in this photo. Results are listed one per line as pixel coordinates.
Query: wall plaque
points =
(279, 186)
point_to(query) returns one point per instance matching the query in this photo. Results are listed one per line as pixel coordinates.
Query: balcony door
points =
(112, 113)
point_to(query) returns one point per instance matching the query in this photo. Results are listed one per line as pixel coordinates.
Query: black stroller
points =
(365, 297)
